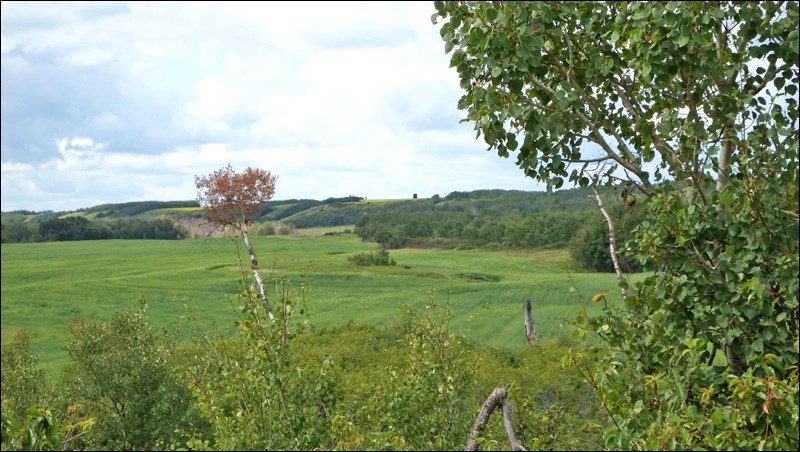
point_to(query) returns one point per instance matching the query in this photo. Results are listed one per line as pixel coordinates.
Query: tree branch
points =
(666, 150)
(495, 399)
(597, 137)
(590, 102)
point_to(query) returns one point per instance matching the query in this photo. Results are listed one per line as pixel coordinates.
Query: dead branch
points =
(530, 324)
(495, 399)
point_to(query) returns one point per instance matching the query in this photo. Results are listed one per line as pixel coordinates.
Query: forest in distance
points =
(498, 219)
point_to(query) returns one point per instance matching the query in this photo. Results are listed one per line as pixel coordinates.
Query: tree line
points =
(80, 228)
(583, 231)
(479, 219)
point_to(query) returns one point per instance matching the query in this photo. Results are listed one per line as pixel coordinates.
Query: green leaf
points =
(496, 72)
(646, 70)
(716, 417)
(725, 197)
(757, 345)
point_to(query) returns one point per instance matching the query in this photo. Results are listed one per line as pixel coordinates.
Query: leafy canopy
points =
(695, 104)
(231, 198)
(657, 89)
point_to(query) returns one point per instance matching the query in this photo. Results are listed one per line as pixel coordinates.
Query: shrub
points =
(120, 374)
(24, 383)
(380, 257)
(264, 229)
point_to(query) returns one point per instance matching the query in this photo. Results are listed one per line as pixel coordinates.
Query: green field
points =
(45, 285)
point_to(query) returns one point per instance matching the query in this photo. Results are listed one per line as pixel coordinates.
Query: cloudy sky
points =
(125, 101)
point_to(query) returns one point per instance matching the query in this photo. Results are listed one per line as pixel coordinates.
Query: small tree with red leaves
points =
(231, 200)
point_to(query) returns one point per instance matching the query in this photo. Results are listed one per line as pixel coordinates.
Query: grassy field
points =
(178, 210)
(46, 285)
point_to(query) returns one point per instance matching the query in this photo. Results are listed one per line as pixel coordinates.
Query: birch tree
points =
(231, 200)
(694, 105)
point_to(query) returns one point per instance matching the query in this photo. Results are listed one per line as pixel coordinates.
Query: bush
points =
(24, 383)
(253, 392)
(380, 257)
(263, 229)
(120, 374)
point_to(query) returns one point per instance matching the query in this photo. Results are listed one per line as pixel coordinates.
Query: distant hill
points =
(480, 218)
(304, 213)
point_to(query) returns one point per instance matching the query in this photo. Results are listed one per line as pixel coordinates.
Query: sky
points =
(108, 102)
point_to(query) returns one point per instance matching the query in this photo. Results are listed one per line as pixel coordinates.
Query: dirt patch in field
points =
(479, 277)
(199, 228)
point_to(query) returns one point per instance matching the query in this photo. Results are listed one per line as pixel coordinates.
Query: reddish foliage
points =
(230, 198)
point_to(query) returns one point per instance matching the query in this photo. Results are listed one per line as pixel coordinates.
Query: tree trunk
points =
(254, 266)
(612, 240)
(530, 324)
(724, 157)
(497, 397)
(736, 361)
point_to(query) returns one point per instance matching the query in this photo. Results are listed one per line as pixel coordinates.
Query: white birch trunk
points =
(254, 266)
(612, 239)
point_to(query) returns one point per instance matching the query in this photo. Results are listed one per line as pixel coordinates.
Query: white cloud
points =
(105, 121)
(121, 101)
(89, 57)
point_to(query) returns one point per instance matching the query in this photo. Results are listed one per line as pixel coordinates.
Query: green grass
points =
(176, 210)
(380, 201)
(46, 285)
(322, 230)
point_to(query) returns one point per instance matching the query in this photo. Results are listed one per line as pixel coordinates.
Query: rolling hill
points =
(305, 213)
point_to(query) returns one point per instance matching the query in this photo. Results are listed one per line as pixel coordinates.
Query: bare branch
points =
(495, 399)
(597, 160)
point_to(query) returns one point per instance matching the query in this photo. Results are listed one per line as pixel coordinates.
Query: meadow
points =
(46, 285)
